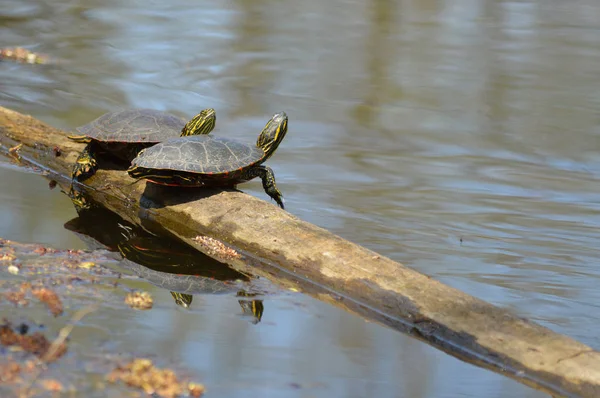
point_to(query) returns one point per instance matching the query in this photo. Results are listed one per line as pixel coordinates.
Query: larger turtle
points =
(209, 161)
(124, 133)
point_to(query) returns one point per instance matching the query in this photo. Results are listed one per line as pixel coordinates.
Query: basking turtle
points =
(124, 133)
(207, 161)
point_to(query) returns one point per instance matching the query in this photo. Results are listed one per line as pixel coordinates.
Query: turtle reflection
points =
(156, 258)
(163, 261)
(79, 199)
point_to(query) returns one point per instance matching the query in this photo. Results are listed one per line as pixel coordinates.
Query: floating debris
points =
(13, 269)
(196, 390)
(36, 344)
(215, 247)
(41, 250)
(76, 277)
(49, 298)
(22, 55)
(45, 295)
(141, 373)
(9, 372)
(139, 300)
(17, 298)
(87, 265)
(8, 257)
(51, 385)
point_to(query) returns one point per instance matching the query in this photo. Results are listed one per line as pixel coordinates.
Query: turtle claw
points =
(279, 199)
(274, 193)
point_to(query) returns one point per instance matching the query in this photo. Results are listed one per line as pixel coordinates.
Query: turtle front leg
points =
(268, 180)
(85, 165)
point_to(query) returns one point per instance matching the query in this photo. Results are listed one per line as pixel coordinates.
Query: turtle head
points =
(273, 133)
(202, 123)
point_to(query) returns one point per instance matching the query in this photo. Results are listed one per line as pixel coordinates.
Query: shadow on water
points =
(160, 259)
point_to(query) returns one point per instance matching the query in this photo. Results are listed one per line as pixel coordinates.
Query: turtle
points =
(206, 161)
(124, 133)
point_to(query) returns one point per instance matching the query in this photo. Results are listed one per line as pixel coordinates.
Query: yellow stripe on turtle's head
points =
(182, 299)
(273, 133)
(202, 123)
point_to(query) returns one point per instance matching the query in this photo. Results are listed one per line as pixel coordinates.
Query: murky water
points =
(413, 125)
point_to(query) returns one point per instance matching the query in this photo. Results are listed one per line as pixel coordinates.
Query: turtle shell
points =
(201, 154)
(134, 125)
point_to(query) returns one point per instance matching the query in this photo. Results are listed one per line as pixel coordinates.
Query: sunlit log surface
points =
(307, 258)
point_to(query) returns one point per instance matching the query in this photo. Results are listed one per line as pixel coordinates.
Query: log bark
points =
(295, 254)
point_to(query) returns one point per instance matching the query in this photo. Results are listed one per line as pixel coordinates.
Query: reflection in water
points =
(380, 87)
(163, 261)
(251, 73)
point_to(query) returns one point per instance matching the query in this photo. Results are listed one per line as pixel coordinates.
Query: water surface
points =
(459, 138)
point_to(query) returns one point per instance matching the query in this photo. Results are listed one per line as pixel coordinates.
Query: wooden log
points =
(299, 255)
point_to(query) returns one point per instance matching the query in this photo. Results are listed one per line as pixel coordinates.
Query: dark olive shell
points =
(200, 154)
(134, 125)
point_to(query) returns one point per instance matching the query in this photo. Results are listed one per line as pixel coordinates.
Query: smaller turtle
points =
(124, 133)
(205, 161)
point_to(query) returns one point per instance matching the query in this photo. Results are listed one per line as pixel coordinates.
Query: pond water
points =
(460, 138)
